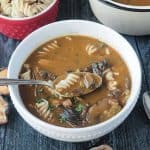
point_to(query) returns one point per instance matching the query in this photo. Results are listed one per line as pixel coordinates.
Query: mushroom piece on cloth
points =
(3, 89)
(3, 111)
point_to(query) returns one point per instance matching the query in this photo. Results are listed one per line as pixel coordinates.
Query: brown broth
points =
(134, 2)
(71, 55)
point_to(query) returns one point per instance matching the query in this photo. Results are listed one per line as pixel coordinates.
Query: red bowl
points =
(19, 28)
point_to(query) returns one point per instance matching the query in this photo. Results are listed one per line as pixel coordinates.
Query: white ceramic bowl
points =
(127, 19)
(29, 44)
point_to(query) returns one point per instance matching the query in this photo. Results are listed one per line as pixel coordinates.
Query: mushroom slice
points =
(97, 67)
(88, 80)
(95, 111)
(114, 108)
(102, 147)
(71, 117)
(103, 110)
(146, 103)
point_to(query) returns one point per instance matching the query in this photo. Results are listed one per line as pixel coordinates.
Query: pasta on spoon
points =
(77, 84)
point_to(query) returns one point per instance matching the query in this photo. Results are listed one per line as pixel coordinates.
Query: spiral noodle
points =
(5, 7)
(90, 48)
(47, 48)
(23, 8)
(93, 48)
(66, 83)
(43, 108)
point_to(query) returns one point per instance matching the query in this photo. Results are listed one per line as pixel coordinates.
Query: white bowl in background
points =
(127, 19)
(77, 27)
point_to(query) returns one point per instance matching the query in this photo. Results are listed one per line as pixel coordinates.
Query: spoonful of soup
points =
(77, 83)
(66, 85)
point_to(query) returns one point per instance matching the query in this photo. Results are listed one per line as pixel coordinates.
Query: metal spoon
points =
(5, 81)
(66, 85)
(146, 103)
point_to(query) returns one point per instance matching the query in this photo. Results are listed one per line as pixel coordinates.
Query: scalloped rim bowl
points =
(77, 27)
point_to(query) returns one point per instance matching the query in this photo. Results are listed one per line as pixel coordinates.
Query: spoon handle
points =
(6, 81)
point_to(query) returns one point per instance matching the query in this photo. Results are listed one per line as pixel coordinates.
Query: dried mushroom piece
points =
(47, 75)
(71, 117)
(146, 103)
(115, 94)
(3, 111)
(88, 81)
(101, 147)
(74, 112)
(97, 67)
(3, 89)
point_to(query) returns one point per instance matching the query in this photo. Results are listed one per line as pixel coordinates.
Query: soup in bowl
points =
(134, 2)
(73, 47)
(69, 55)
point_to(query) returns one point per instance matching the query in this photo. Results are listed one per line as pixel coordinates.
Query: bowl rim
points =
(74, 130)
(32, 17)
(133, 8)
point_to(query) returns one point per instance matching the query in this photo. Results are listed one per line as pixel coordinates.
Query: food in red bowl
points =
(19, 28)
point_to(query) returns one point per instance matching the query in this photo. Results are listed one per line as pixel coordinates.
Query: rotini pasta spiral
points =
(92, 48)
(43, 108)
(23, 8)
(66, 83)
(5, 7)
